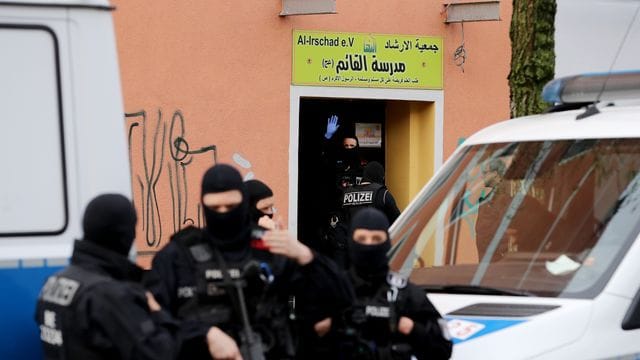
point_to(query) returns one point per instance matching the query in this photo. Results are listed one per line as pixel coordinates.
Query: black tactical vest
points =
(372, 321)
(64, 333)
(358, 197)
(212, 302)
(207, 299)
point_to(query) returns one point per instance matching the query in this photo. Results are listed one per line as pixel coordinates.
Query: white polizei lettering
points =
(50, 336)
(358, 198)
(216, 274)
(186, 291)
(235, 273)
(50, 318)
(377, 311)
(213, 274)
(59, 290)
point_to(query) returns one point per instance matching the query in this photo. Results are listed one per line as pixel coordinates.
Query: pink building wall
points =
(223, 69)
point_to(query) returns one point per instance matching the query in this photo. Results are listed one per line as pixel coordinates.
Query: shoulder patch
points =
(201, 252)
(59, 290)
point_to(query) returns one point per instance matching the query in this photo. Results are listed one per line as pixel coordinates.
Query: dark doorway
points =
(314, 185)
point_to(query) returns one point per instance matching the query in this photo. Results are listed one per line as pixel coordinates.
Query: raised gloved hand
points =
(332, 126)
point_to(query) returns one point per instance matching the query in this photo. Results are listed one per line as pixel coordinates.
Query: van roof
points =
(587, 106)
(618, 121)
(59, 3)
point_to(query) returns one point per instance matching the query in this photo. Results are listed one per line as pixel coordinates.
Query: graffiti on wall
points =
(163, 167)
(163, 164)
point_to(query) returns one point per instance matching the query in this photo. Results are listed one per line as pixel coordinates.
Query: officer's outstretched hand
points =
(221, 345)
(152, 303)
(322, 327)
(405, 325)
(280, 242)
(332, 126)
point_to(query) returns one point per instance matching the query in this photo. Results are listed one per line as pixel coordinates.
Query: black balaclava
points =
(229, 231)
(110, 221)
(257, 191)
(369, 261)
(373, 172)
(352, 156)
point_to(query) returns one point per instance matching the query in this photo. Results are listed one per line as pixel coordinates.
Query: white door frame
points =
(298, 92)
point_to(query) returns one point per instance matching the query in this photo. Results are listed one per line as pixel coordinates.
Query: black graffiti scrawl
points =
(162, 172)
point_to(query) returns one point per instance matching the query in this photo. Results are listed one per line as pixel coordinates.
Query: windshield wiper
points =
(475, 289)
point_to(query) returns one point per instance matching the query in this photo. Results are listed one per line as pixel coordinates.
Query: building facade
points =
(245, 83)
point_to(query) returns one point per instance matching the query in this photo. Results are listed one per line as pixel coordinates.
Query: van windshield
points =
(549, 218)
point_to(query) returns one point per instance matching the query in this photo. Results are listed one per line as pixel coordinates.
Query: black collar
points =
(96, 258)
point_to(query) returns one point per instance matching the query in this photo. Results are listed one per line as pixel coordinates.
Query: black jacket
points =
(195, 291)
(368, 329)
(97, 309)
(369, 194)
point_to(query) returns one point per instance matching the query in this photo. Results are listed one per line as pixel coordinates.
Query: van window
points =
(32, 185)
(549, 218)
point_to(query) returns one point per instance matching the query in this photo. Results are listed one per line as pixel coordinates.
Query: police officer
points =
(370, 192)
(343, 170)
(261, 204)
(96, 308)
(390, 317)
(219, 275)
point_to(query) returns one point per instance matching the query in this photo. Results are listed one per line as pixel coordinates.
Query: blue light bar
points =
(617, 85)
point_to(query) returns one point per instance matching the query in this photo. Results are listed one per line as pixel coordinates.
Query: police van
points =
(63, 141)
(527, 239)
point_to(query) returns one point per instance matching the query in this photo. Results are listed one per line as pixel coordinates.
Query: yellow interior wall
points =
(410, 134)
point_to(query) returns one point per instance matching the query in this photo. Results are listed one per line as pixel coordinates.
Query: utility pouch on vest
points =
(205, 305)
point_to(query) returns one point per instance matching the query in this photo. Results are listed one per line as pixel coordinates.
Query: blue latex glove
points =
(332, 126)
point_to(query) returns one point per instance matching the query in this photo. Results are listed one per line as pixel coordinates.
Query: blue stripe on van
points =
(19, 288)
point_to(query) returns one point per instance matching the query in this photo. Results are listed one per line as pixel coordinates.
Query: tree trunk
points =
(532, 54)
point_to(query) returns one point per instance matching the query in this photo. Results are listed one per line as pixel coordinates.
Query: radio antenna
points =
(624, 39)
(593, 109)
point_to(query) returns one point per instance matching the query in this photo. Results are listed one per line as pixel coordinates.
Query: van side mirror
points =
(631, 319)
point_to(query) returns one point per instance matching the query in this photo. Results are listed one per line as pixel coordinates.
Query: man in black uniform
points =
(261, 204)
(390, 318)
(96, 308)
(371, 192)
(342, 170)
(221, 276)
